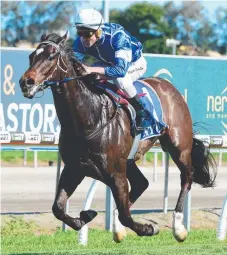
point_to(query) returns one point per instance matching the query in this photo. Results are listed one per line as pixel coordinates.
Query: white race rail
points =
(83, 233)
(222, 226)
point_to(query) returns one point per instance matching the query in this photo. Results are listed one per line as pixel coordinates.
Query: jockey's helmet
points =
(89, 18)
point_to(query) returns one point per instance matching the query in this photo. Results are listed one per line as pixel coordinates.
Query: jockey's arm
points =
(100, 71)
(121, 45)
(80, 54)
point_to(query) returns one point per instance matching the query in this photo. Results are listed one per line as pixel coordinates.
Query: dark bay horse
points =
(95, 137)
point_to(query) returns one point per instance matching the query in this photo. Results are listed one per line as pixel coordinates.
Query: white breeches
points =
(135, 71)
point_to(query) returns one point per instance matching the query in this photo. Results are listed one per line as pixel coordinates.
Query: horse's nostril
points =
(30, 81)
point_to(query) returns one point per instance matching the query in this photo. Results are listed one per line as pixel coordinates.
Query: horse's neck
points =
(77, 106)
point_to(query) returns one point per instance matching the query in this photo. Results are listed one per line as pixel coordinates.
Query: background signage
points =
(202, 82)
(17, 113)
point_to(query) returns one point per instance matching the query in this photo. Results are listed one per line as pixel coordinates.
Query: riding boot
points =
(142, 115)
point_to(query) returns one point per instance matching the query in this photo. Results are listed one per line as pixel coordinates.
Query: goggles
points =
(85, 34)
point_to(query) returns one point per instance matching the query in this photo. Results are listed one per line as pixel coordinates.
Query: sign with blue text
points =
(201, 81)
(17, 113)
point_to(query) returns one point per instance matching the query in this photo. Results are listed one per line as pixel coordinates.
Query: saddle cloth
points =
(150, 101)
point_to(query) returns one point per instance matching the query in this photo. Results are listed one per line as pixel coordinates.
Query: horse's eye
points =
(52, 56)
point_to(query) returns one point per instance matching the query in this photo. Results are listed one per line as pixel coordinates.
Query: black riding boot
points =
(141, 114)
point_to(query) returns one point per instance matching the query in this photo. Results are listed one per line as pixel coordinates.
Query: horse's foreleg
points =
(137, 181)
(184, 164)
(69, 181)
(119, 187)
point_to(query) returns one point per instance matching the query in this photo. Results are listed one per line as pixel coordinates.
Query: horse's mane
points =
(74, 62)
(53, 37)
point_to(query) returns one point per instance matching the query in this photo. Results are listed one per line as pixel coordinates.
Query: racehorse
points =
(95, 138)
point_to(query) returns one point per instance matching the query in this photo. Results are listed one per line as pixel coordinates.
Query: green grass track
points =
(199, 242)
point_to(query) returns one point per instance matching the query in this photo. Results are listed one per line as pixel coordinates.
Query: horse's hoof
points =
(149, 230)
(119, 231)
(156, 229)
(179, 231)
(119, 236)
(87, 216)
(181, 235)
(77, 224)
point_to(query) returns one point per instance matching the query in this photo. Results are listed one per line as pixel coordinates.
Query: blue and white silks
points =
(116, 48)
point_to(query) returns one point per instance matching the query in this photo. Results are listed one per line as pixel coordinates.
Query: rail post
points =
(222, 225)
(165, 202)
(83, 233)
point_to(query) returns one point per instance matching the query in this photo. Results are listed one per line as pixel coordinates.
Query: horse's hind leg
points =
(69, 180)
(184, 164)
(119, 187)
(137, 180)
(182, 158)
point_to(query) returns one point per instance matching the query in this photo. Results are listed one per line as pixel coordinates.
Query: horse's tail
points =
(203, 162)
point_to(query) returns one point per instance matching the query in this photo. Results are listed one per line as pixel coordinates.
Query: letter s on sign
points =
(12, 117)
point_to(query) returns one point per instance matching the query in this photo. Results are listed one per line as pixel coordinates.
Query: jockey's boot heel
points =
(142, 115)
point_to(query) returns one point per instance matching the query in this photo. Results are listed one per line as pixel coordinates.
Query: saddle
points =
(150, 100)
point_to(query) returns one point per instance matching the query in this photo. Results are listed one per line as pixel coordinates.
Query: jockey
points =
(119, 54)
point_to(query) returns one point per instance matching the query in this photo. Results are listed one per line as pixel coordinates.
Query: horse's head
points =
(44, 62)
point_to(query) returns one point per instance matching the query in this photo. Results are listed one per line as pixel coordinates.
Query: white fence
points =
(222, 226)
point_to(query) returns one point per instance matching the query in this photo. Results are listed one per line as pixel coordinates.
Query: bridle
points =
(47, 83)
(58, 51)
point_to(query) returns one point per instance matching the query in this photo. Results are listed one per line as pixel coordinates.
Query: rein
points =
(52, 83)
(48, 83)
(98, 130)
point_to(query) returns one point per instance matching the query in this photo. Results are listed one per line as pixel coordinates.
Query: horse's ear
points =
(65, 37)
(43, 36)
